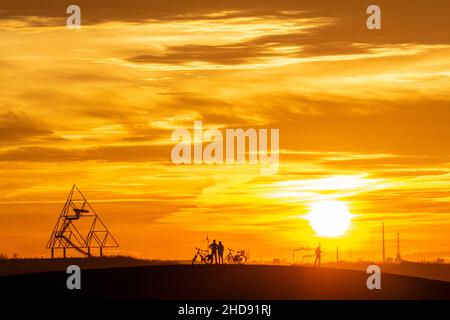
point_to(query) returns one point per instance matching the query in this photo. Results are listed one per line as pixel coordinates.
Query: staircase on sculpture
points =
(69, 232)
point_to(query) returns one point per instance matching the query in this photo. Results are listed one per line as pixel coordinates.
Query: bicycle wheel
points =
(194, 259)
(229, 259)
(208, 259)
(241, 259)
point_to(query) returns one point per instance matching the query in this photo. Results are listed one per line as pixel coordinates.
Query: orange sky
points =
(363, 117)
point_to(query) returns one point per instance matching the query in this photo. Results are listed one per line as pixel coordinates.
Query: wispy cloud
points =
(363, 118)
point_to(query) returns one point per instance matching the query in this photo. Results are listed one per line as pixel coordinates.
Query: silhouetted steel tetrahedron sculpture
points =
(80, 228)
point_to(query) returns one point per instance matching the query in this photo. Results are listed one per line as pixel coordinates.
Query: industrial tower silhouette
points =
(80, 228)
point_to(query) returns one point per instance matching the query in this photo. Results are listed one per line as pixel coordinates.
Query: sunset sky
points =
(364, 118)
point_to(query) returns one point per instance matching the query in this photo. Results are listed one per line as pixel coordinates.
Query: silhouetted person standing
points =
(220, 249)
(318, 254)
(213, 246)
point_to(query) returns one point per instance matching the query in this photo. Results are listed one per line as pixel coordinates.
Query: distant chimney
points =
(398, 259)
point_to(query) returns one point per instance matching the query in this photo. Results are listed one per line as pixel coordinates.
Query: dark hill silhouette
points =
(435, 271)
(222, 282)
(29, 265)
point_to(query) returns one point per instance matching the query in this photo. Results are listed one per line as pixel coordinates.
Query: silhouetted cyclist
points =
(220, 249)
(213, 246)
(318, 254)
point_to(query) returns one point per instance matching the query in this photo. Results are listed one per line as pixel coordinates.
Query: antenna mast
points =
(384, 253)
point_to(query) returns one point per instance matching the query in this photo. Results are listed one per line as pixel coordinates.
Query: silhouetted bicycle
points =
(204, 255)
(240, 257)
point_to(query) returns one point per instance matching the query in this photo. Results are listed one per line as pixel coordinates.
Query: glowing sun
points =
(329, 218)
